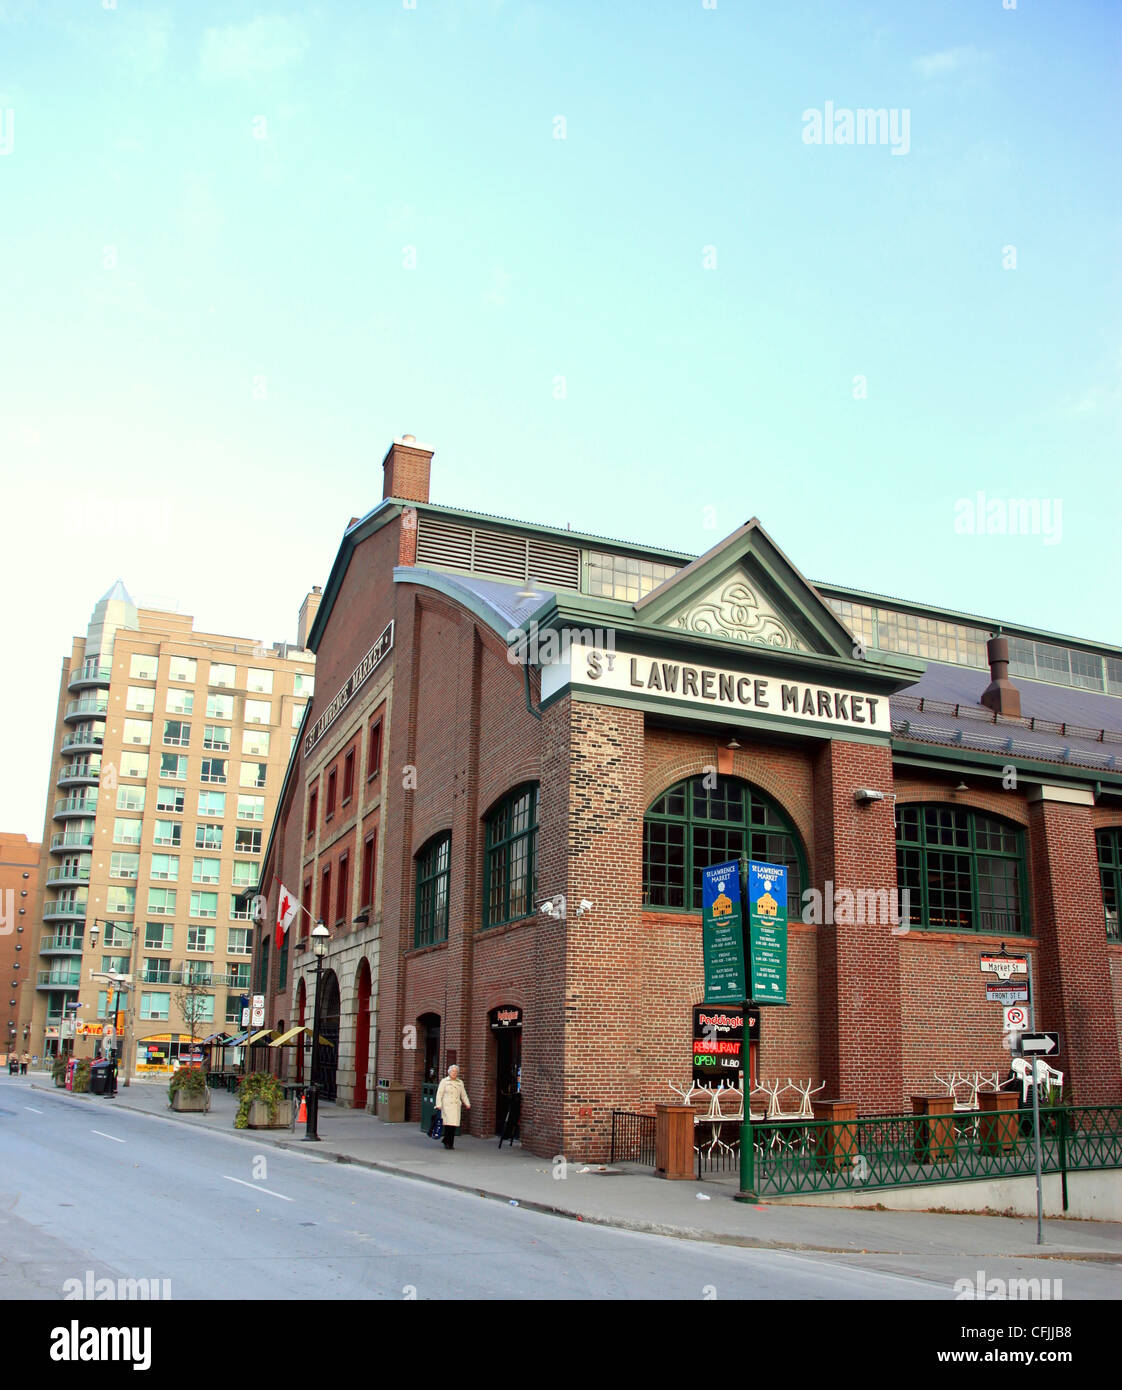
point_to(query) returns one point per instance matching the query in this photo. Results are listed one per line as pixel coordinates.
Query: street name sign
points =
(1003, 966)
(1007, 993)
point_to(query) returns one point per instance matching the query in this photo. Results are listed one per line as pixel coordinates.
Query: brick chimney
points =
(308, 610)
(406, 470)
(1001, 695)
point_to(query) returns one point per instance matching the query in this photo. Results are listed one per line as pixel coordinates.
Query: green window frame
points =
(706, 820)
(510, 862)
(1108, 842)
(964, 870)
(430, 911)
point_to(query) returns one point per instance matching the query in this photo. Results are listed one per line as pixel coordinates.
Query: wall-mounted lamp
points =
(864, 795)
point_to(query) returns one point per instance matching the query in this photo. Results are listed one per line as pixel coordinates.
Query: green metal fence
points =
(899, 1150)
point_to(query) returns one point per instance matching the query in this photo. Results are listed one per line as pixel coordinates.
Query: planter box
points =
(835, 1147)
(934, 1132)
(1001, 1121)
(183, 1102)
(260, 1118)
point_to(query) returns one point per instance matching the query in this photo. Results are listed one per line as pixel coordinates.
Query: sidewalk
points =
(631, 1197)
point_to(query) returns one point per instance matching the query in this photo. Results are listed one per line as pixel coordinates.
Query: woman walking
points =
(450, 1096)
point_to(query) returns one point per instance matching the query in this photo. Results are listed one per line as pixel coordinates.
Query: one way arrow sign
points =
(1039, 1044)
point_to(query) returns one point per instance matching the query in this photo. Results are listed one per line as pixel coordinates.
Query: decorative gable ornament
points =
(734, 610)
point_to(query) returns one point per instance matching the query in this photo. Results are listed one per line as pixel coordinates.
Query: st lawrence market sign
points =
(358, 677)
(737, 692)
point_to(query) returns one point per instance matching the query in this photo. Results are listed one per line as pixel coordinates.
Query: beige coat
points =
(450, 1095)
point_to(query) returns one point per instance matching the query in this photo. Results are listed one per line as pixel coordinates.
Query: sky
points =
(593, 254)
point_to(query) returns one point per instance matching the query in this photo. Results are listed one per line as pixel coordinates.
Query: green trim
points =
(427, 870)
(1108, 853)
(972, 852)
(1056, 774)
(492, 848)
(382, 515)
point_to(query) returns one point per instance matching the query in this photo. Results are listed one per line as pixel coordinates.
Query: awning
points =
(213, 1038)
(287, 1037)
(235, 1042)
(264, 1033)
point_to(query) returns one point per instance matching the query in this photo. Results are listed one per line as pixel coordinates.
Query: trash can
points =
(99, 1078)
(391, 1102)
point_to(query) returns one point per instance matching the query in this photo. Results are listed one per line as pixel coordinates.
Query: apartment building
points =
(169, 750)
(19, 864)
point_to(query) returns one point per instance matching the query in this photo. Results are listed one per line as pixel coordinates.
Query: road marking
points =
(107, 1136)
(32, 1109)
(256, 1186)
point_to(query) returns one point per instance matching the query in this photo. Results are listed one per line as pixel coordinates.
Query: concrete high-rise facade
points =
(169, 750)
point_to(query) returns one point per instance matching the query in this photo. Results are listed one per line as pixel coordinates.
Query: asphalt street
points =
(89, 1188)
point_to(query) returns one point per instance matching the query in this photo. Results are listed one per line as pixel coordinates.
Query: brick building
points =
(511, 715)
(19, 866)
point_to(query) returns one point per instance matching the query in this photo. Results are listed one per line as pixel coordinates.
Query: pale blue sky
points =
(157, 258)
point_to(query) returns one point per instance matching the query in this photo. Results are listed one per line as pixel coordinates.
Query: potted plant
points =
(261, 1103)
(82, 1076)
(187, 1090)
(58, 1071)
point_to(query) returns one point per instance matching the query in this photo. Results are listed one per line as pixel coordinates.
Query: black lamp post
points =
(320, 938)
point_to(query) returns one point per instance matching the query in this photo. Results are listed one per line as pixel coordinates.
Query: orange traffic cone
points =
(302, 1113)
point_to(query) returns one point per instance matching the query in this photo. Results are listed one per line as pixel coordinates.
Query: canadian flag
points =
(287, 908)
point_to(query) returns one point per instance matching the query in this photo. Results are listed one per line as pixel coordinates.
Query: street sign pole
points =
(747, 1191)
(1035, 1110)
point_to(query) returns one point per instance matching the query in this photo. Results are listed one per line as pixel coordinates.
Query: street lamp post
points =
(320, 937)
(120, 1041)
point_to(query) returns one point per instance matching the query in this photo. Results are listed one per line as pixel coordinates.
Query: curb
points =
(638, 1227)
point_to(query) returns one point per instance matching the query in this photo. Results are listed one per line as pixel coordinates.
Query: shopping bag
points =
(436, 1129)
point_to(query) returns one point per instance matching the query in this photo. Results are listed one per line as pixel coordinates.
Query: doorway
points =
(506, 1029)
(325, 1047)
(429, 1027)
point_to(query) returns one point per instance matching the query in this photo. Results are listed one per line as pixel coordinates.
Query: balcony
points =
(89, 707)
(61, 944)
(87, 740)
(72, 840)
(84, 804)
(58, 979)
(90, 673)
(69, 873)
(85, 771)
(63, 910)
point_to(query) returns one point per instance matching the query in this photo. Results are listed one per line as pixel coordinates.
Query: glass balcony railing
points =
(59, 979)
(88, 707)
(86, 738)
(61, 943)
(69, 873)
(55, 908)
(81, 805)
(90, 673)
(72, 840)
(81, 770)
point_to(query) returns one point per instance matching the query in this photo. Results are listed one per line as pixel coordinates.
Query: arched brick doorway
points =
(325, 1047)
(362, 1033)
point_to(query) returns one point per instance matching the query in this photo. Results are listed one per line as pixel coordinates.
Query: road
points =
(88, 1188)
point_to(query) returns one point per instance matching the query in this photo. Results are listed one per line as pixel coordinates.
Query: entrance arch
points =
(325, 1046)
(362, 1033)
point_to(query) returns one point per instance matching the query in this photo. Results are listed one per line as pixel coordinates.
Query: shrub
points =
(58, 1071)
(190, 1080)
(82, 1076)
(259, 1085)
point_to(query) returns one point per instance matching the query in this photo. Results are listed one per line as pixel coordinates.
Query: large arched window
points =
(511, 857)
(709, 821)
(430, 921)
(1109, 842)
(963, 870)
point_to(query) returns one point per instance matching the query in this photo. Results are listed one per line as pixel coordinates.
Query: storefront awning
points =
(286, 1038)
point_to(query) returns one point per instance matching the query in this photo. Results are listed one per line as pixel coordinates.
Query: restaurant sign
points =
(718, 1041)
(732, 692)
(358, 677)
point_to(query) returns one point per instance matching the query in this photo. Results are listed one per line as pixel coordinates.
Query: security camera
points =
(585, 906)
(555, 907)
(547, 909)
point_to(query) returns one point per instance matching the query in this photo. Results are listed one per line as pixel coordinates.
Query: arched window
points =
(511, 857)
(693, 825)
(963, 870)
(430, 922)
(1109, 842)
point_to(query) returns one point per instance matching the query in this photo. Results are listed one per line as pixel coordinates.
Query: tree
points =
(192, 1004)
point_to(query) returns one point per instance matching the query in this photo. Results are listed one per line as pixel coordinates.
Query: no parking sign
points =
(1016, 1018)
